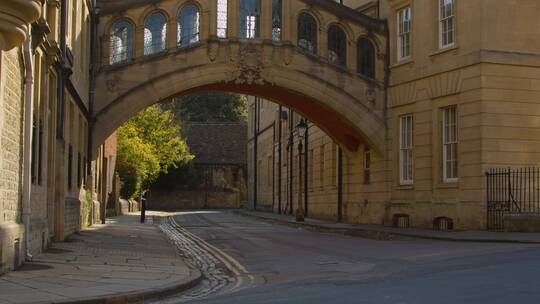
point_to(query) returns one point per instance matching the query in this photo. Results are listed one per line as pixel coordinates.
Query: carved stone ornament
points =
(15, 18)
(213, 49)
(288, 54)
(371, 95)
(247, 67)
(111, 85)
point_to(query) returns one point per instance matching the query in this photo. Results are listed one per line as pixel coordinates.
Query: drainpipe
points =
(290, 162)
(27, 144)
(279, 160)
(306, 162)
(94, 20)
(340, 185)
(255, 153)
(273, 166)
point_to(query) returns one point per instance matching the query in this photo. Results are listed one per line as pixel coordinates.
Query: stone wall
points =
(221, 186)
(11, 117)
(72, 218)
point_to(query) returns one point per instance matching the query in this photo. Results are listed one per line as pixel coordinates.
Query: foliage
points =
(186, 176)
(210, 107)
(148, 144)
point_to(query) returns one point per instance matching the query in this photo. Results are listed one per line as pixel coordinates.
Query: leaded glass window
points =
(337, 46)
(222, 14)
(307, 33)
(155, 34)
(188, 25)
(250, 12)
(276, 20)
(121, 42)
(366, 58)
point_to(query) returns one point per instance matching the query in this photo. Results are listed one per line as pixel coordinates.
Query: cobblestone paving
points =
(221, 273)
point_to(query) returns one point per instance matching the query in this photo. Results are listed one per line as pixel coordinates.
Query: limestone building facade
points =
(47, 192)
(460, 98)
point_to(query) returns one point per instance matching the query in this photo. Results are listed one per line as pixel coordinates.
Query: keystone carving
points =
(247, 66)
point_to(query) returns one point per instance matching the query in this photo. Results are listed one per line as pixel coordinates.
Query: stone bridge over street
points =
(322, 59)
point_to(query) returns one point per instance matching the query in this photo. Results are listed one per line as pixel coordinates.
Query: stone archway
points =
(349, 108)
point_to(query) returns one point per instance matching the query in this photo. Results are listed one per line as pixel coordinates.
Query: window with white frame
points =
(446, 23)
(406, 149)
(450, 144)
(404, 33)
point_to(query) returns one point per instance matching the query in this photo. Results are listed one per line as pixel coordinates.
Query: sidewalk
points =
(120, 261)
(388, 233)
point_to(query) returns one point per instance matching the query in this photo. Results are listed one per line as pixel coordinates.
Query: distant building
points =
(216, 178)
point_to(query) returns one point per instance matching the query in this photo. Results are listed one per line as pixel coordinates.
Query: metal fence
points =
(511, 191)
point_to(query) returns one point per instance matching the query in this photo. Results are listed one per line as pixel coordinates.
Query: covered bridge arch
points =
(347, 105)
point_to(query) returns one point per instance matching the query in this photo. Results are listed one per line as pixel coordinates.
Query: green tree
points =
(149, 144)
(209, 107)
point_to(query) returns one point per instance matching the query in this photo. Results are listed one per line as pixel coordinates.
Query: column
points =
(286, 22)
(233, 25)
(266, 19)
(212, 19)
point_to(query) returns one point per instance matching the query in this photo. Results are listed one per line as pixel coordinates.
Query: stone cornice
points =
(15, 18)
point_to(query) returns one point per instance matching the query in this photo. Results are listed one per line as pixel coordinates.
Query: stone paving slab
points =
(121, 261)
(382, 232)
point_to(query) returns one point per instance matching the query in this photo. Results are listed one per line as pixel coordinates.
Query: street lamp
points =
(301, 128)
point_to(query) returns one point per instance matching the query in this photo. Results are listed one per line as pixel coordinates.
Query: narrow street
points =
(252, 261)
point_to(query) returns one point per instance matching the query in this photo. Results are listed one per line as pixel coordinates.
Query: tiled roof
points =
(217, 143)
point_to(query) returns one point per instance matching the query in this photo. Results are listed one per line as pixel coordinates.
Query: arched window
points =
(276, 20)
(188, 25)
(155, 33)
(307, 32)
(366, 58)
(337, 45)
(121, 42)
(222, 15)
(250, 12)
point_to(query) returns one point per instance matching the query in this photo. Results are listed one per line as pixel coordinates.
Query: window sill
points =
(402, 63)
(180, 48)
(448, 185)
(444, 50)
(404, 187)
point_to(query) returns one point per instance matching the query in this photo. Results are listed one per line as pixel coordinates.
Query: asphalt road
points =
(287, 265)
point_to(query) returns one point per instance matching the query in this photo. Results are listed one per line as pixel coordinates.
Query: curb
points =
(141, 296)
(378, 234)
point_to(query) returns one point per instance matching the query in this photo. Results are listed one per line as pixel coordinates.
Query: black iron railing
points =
(511, 191)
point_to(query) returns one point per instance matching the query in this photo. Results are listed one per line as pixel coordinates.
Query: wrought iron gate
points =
(511, 191)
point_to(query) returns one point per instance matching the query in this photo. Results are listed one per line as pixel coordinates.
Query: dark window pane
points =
(366, 58)
(307, 32)
(337, 46)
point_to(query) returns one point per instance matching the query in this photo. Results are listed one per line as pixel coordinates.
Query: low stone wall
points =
(11, 246)
(127, 206)
(72, 216)
(184, 199)
(522, 223)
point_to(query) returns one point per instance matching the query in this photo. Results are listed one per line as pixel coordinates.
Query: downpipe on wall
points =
(27, 144)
